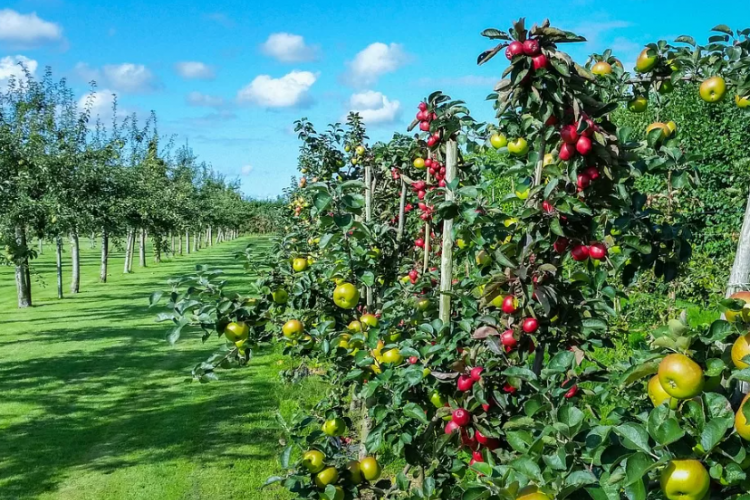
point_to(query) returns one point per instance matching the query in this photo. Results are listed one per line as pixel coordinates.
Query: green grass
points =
(94, 403)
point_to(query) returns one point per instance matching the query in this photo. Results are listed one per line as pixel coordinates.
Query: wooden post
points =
(105, 256)
(368, 219)
(446, 261)
(427, 229)
(740, 275)
(401, 212)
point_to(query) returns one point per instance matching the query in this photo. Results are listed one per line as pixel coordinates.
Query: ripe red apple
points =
(441, 183)
(514, 49)
(540, 62)
(431, 142)
(423, 116)
(451, 427)
(419, 243)
(509, 388)
(424, 126)
(487, 442)
(572, 392)
(592, 172)
(552, 120)
(584, 145)
(461, 417)
(413, 274)
(476, 457)
(547, 207)
(591, 127)
(465, 383)
(531, 47)
(569, 134)
(508, 339)
(560, 245)
(476, 373)
(510, 304)
(583, 181)
(530, 325)
(567, 151)
(421, 194)
(428, 162)
(580, 253)
(597, 251)
(413, 360)
(422, 106)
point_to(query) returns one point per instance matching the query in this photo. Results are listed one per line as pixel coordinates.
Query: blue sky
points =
(230, 76)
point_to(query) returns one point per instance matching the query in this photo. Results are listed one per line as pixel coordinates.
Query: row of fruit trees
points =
(465, 336)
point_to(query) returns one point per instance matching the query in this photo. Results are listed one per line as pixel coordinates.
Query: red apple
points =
(572, 392)
(509, 388)
(508, 339)
(531, 47)
(540, 62)
(413, 274)
(547, 207)
(510, 304)
(569, 134)
(451, 427)
(421, 194)
(465, 383)
(567, 151)
(487, 442)
(597, 251)
(476, 373)
(431, 142)
(530, 325)
(461, 417)
(583, 181)
(514, 49)
(422, 106)
(413, 360)
(592, 172)
(552, 120)
(560, 245)
(424, 126)
(584, 145)
(580, 253)
(476, 457)
(419, 243)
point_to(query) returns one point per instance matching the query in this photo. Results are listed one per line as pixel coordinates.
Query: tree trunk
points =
(210, 236)
(58, 255)
(446, 262)
(92, 241)
(179, 243)
(128, 251)
(187, 241)
(23, 283)
(142, 249)
(157, 242)
(75, 282)
(172, 245)
(740, 275)
(105, 256)
(196, 241)
(41, 246)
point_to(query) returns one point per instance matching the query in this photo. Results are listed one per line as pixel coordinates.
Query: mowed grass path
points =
(94, 403)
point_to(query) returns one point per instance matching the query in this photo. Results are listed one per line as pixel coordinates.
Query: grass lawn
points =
(94, 403)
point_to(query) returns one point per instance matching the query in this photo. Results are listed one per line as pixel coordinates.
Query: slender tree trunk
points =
(209, 236)
(58, 255)
(196, 241)
(172, 245)
(128, 251)
(23, 284)
(157, 242)
(187, 241)
(41, 246)
(75, 282)
(142, 249)
(105, 256)
(92, 240)
(179, 243)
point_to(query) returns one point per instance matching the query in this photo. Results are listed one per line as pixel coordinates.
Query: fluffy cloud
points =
(246, 170)
(290, 90)
(11, 67)
(374, 107)
(288, 48)
(204, 100)
(374, 61)
(27, 29)
(100, 104)
(127, 77)
(195, 70)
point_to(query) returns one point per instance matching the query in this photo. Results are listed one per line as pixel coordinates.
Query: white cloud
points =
(290, 90)
(374, 107)
(101, 105)
(374, 61)
(246, 170)
(27, 29)
(10, 67)
(127, 77)
(288, 48)
(204, 100)
(195, 70)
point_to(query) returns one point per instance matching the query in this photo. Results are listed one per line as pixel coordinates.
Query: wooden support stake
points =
(446, 261)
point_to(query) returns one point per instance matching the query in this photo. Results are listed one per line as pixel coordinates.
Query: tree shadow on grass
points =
(105, 410)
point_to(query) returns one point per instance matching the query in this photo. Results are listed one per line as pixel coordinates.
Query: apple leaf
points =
(686, 39)
(634, 436)
(722, 28)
